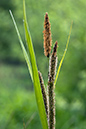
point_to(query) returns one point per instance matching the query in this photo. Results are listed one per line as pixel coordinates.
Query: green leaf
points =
(22, 46)
(60, 64)
(37, 87)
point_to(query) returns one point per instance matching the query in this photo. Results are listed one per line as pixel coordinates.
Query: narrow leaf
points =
(22, 46)
(59, 68)
(36, 81)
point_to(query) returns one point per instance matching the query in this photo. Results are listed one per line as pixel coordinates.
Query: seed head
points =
(43, 92)
(53, 63)
(47, 36)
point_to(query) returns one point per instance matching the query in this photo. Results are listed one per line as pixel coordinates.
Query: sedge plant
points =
(45, 97)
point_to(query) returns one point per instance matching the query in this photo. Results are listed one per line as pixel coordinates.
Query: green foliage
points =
(33, 70)
(16, 109)
(36, 81)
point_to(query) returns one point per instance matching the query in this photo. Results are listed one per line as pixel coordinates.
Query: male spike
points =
(47, 36)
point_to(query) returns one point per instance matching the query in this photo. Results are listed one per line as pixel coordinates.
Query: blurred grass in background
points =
(17, 99)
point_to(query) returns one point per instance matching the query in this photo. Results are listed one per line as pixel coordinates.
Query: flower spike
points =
(47, 36)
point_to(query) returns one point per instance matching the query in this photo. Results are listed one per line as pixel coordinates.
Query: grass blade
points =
(59, 68)
(37, 87)
(22, 45)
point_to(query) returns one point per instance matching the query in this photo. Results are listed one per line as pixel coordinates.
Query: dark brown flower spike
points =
(43, 92)
(51, 110)
(47, 36)
(51, 94)
(53, 63)
(55, 49)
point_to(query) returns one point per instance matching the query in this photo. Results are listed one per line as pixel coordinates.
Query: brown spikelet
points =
(53, 63)
(55, 49)
(43, 92)
(51, 94)
(47, 36)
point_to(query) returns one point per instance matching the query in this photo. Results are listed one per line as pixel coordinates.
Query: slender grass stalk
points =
(59, 68)
(36, 81)
(22, 46)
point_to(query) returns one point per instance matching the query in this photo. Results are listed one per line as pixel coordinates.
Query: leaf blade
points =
(60, 64)
(22, 46)
(37, 87)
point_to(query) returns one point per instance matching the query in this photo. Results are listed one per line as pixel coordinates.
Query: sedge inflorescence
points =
(49, 95)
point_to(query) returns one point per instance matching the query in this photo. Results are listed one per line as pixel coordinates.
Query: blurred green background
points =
(17, 99)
